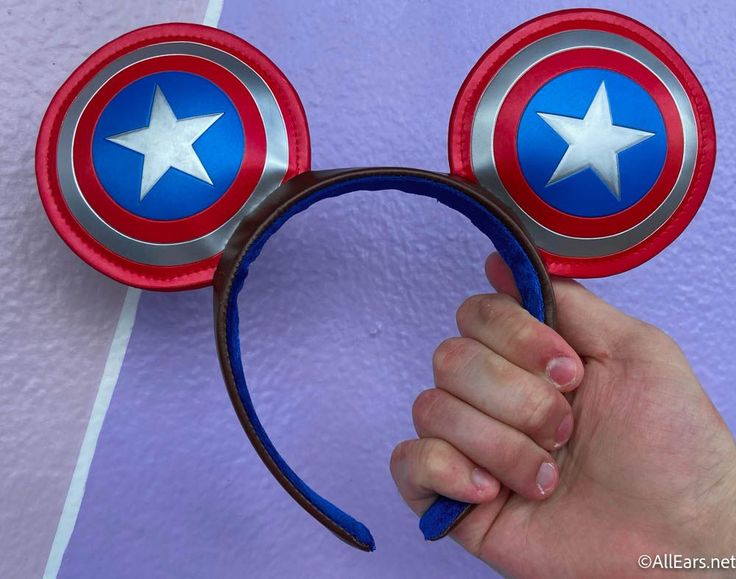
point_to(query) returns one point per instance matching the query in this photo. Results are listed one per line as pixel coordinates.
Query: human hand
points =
(585, 447)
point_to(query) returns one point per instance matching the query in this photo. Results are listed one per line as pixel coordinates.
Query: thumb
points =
(590, 325)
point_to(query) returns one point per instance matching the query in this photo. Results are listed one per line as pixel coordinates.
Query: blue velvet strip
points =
(443, 512)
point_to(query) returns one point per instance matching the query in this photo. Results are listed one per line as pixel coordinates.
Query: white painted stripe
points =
(213, 12)
(110, 374)
(113, 364)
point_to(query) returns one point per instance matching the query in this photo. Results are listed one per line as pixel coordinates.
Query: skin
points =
(637, 459)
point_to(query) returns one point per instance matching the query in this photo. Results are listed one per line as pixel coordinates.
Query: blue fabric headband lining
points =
(443, 512)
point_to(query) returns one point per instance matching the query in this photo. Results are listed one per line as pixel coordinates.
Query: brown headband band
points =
(295, 196)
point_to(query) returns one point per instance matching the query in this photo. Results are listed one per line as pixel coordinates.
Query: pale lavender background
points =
(343, 311)
(57, 315)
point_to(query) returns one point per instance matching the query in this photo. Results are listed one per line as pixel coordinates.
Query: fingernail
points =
(546, 478)
(562, 371)
(481, 478)
(564, 430)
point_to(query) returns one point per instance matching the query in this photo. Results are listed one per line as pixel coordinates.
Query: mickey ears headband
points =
(580, 144)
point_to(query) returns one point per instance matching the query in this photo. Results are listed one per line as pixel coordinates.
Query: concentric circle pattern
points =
(159, 144)
(594, 131)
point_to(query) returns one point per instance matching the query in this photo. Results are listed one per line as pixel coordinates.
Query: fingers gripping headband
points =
(296, 196)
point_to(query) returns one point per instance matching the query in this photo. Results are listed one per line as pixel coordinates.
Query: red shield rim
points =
(197, 273)
(471, 92)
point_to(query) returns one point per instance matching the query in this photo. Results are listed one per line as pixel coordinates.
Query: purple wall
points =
(57, 316)
(346, 305)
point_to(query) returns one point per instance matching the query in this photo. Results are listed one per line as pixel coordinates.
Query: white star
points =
(593, 142)
(167, 142)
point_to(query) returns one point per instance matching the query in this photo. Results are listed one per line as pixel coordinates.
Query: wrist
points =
(716, 534)
(726, 539)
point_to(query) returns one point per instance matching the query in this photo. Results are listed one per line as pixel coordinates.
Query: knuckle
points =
(500, 372)
(540, 410)
(452, 357)
(470, 310)
(400, 453)
(430, 459)
(424, 406)
(487, 309)
(521, 332)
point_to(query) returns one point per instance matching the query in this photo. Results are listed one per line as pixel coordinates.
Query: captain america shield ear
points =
(595, 133)
(156, 146)
(580, 144)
